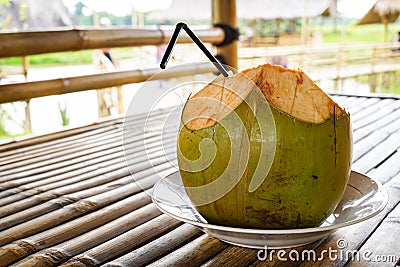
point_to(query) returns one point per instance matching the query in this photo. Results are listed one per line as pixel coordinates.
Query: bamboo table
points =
(68, 199)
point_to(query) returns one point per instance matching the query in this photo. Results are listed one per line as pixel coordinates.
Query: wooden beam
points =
(27, 90)
(224, 12)
(31, 43)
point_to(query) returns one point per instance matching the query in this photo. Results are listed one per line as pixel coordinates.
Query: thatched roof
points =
(34, 15)
(331, 11)
(383, 11)
(272, 9)
(387, 6)
(183, 10)
(280, 9)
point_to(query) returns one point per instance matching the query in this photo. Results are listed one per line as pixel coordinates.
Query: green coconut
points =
(264, 148)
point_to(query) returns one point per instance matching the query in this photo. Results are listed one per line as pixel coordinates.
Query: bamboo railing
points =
(31, 43)
(28, 90)
(342, 60)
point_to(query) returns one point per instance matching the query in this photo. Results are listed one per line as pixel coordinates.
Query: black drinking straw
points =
(195, 39)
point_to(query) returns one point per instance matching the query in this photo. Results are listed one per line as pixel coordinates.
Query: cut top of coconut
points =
(289, 91)
(215, 101)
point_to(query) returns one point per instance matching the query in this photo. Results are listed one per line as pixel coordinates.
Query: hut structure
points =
(248, 10)
(383, 11)
(201, 10)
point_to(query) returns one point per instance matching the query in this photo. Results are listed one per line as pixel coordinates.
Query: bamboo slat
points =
(11, 147)
(44, 184)
(70, 153)
(64, 251)
(67, 213)
(378, 114)
(60, 168)
(45, 196)
(61, 147)
(77, 140)
(57, 203)
(192, 254)
(358, 108)
(381, 123)
(383, 246)
(372, 109)
(114, 156)
(27, 90)
(26, 144)
(126, 242)
(378, 154)
(75, 228)
(15, 44)
(389, 169)
(57, 165)
(233, 256)
(157, 248)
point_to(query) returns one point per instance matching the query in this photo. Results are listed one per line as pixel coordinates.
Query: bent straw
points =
(195, 39)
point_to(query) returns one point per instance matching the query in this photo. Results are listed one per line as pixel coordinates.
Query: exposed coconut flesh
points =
(289, 91)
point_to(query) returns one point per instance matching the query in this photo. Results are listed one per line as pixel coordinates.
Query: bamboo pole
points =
(16, 44)
(224, 11)
(28, 90)
(120, 98)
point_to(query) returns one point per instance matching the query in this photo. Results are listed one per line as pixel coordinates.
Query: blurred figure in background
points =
(396, 42)
(160, 48)
(105, 23)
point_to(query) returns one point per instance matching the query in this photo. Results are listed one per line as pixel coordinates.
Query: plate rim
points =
(380, 189)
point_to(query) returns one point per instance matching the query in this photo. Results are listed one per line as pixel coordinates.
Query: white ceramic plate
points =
(363, 199)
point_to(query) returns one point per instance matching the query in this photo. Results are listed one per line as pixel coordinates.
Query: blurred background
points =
(346, 46)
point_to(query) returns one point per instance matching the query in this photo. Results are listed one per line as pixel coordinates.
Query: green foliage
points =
(63, 109)
(62, 58)
(3, 118)
(82, 19)
(389, 83)
(4, 2)
(357, 33)
(23, 11)
(3, 13)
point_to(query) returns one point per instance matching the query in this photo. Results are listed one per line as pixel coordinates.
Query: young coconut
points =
(248, 164)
